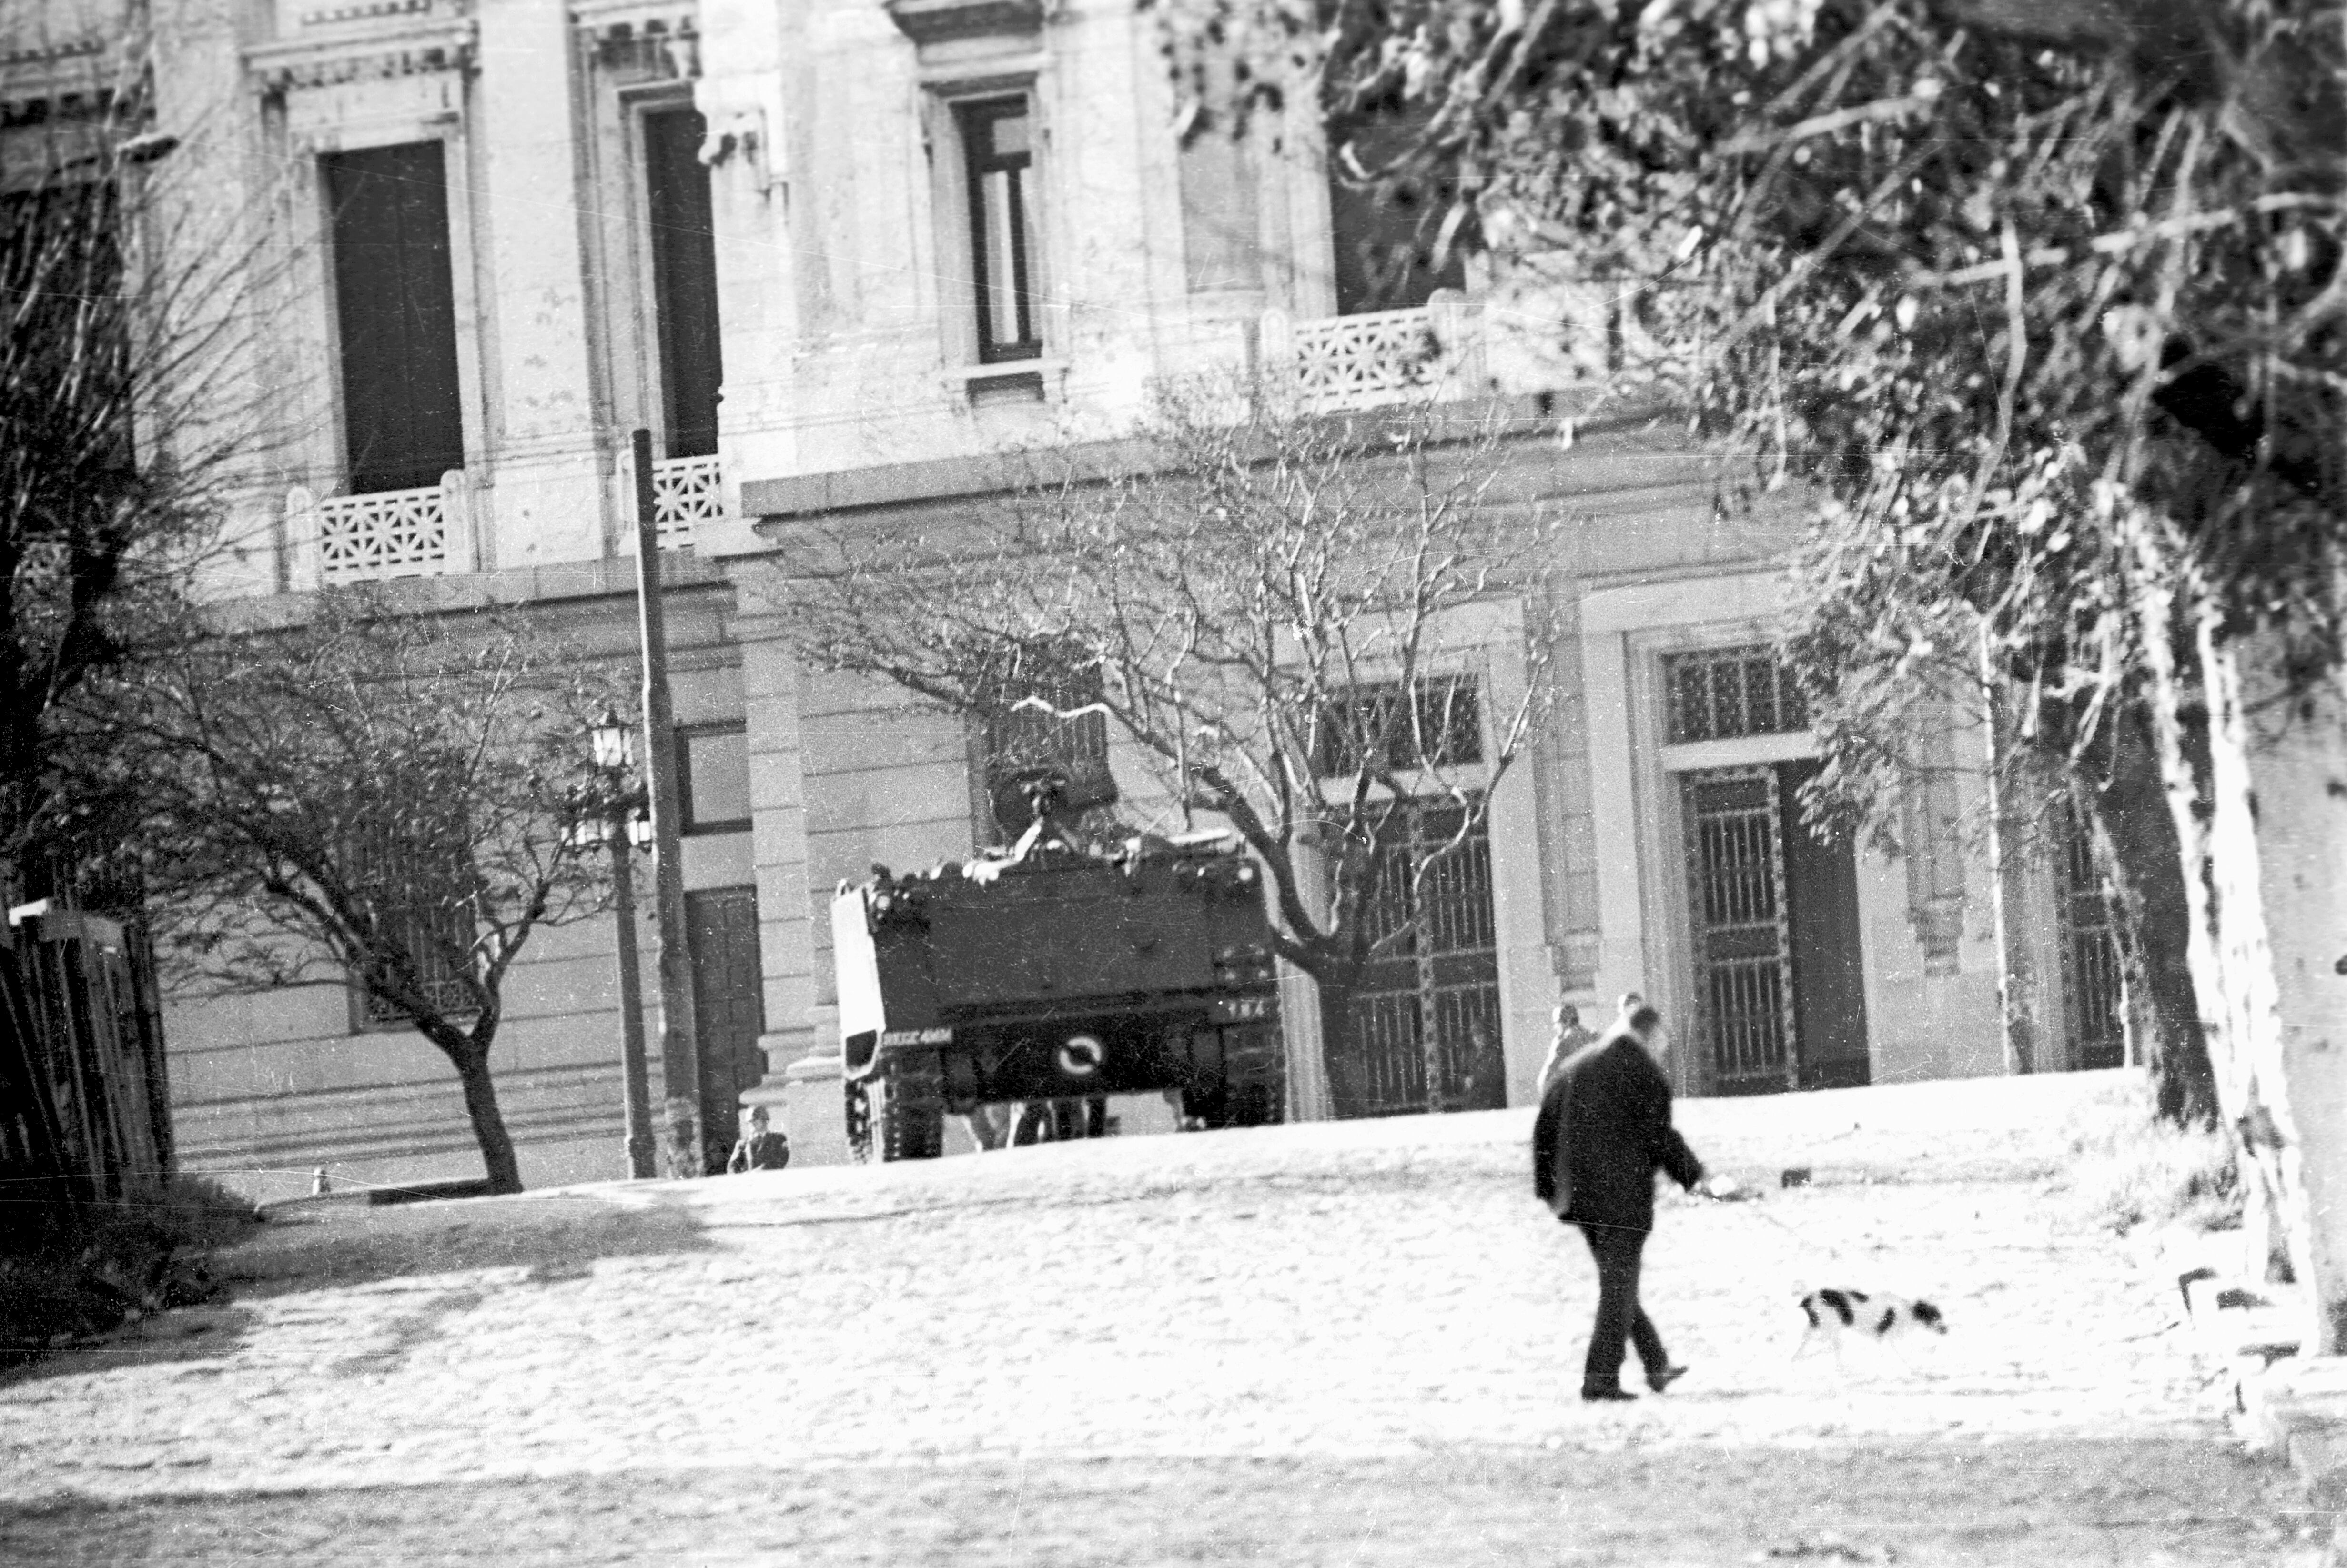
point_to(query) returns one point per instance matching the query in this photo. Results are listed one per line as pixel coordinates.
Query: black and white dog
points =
(1837, 1316)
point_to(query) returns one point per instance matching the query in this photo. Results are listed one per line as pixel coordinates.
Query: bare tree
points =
(128, 303)
(372, 798)
(1290, 617)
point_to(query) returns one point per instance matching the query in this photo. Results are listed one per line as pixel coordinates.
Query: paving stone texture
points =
(1339, 1344)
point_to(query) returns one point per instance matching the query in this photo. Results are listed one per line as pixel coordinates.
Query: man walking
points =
(1604, 1129)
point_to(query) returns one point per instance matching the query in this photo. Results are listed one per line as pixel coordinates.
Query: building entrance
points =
(1426, 1032)
(1779, 994)
(728, 1007)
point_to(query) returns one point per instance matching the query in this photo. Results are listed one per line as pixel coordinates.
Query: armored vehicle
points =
(1055, 973)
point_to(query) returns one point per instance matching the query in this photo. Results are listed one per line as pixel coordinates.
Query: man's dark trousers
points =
(1619, 1316)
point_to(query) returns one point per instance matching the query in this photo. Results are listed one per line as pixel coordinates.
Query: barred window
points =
(1375, 722)
(418, 897)
(1722, 693)
(1022, 737)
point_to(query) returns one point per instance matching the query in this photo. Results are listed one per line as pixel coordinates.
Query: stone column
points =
(787, 904)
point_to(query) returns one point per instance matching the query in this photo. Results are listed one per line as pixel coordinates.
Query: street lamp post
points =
(614, 742)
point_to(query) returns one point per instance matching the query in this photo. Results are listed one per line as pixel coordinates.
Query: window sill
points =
(1006, 381)
(1742, 751)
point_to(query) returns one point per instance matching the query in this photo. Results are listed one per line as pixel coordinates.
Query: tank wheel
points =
(908, 1111)
(859, 1121)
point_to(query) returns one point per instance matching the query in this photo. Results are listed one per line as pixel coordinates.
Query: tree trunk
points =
(1346, 1064)
(488, 1122)
(2138, 834)
(2278, 750)
(2197, 716)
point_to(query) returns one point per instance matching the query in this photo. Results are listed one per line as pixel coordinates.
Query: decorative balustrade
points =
(1431, 351)
(686, 492)
(384, 533)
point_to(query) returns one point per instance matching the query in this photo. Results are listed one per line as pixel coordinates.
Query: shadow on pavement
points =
(555, 1237)
(2035, 1503)
(187, 1336)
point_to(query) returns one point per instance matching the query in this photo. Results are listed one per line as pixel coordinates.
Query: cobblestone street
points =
(1348, 1343)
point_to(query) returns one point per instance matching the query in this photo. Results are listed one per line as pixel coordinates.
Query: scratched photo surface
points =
(1293, 782)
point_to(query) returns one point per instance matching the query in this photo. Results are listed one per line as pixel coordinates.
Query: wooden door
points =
(1828, 958)
(729, 1007)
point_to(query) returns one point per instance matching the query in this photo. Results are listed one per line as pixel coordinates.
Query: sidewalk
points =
(1339, 1344)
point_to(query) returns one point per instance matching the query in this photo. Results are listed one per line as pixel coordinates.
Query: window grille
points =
(2094, 1015)
(1433, 978)
(1020, 738)
(1726, 693)
(1449, 723)
(418, 897)
(1742, 951)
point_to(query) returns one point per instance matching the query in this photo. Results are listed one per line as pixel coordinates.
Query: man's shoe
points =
(1663, 1379)
(1607, 1396)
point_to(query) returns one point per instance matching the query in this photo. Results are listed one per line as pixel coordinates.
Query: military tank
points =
(1056, 971)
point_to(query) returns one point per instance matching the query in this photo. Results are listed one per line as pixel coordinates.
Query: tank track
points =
(1253, 1090)
(906, 1100)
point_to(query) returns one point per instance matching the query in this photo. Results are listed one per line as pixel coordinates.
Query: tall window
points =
(713, 777)
(394, 302)
(1023, 738)
(2094, 1010)
(417, 894)
(684, 279)
(1427, 1012)
(1386, 234)
(61, 278)
(998, 161)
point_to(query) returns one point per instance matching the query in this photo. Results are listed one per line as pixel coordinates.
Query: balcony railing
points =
(1431, 352)
(687, 492)
(385, 534)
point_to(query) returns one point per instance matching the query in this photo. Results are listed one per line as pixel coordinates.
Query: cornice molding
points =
(404, 49)
(73, 76)
(663, 35)
(73, 48)
(602, 17)
(363, 10)
(935, 21)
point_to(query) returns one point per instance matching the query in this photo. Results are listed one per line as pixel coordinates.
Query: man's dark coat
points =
(1604, 1129)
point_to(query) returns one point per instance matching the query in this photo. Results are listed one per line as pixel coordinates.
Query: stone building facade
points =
(838, 255)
